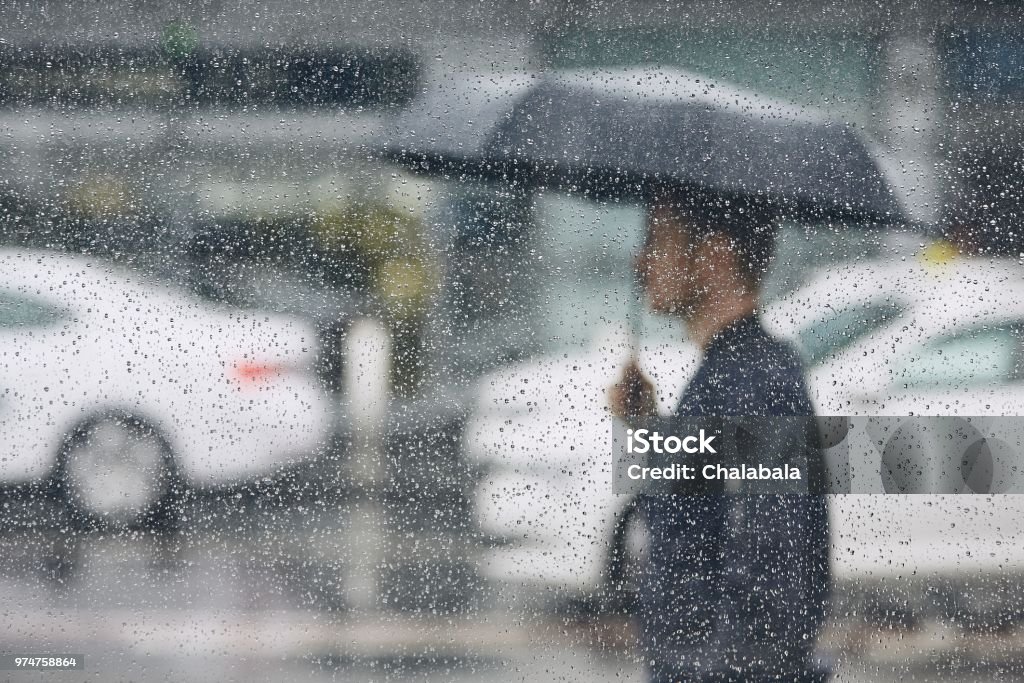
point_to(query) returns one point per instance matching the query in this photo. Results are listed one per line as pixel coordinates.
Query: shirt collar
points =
(733, 334)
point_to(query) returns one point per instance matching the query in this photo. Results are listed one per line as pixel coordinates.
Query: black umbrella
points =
(621, 132)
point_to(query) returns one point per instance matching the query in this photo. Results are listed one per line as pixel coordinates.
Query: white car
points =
(901, 337)
(917, 338)
(540, 435)
(118, 392)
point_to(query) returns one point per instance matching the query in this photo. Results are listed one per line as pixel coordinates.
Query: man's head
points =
(702, 249)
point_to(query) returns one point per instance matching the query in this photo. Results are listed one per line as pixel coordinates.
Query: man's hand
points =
(633, 396)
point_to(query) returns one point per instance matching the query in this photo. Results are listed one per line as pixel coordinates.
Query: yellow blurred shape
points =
(938, 254)
(101, 196)
(405, 285)
(375, 230)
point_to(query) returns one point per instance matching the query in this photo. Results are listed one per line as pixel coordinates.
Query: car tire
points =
(115, 471)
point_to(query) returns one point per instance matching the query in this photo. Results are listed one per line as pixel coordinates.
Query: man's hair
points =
(748, 222)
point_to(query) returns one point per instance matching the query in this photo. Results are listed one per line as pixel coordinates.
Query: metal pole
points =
(367, 386)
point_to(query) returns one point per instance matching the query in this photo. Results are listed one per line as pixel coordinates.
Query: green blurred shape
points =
(179, 40)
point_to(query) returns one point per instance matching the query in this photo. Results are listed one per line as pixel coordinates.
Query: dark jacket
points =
(736, 583)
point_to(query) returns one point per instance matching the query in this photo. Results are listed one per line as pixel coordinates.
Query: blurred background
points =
(271, 407)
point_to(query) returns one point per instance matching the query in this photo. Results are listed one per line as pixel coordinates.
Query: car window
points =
(840, 328)
(983, 356)
(18, 311)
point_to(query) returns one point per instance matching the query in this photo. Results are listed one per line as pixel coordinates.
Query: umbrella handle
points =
(635, 315)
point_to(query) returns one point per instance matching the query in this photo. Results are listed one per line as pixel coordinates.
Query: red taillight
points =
(251, 372)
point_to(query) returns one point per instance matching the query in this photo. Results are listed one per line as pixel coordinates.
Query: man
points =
(736, 585)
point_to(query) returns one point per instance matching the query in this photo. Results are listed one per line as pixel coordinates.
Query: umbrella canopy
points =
(623, 132)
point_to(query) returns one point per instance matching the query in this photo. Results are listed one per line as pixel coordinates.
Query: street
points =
(268, 594)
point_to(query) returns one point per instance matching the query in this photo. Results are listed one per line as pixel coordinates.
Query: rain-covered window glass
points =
(836, 73)
(328, 330)
(534, 276)
(180, 71)
(833, 334)
(586, 251)
(988, 356)
(21, 311)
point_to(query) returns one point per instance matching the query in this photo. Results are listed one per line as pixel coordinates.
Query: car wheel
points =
(116, 471)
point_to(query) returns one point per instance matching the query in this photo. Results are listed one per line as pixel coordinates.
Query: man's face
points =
(668, 265)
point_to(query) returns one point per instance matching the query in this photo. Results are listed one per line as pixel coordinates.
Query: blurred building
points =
(184, 112)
